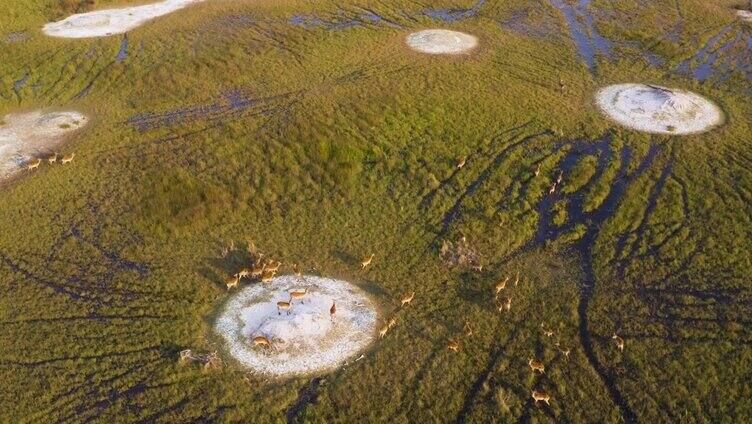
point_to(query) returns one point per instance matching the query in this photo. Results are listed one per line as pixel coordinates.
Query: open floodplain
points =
(376, 211)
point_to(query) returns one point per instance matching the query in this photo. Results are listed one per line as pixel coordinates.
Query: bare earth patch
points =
(102, 23)
(27, 135)
(441, 41)
(305, 339)
(658, 110)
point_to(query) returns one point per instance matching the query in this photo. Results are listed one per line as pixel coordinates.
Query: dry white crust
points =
(102, 23)
(305, 339)
(658, 110)
(24, 136)
(441, 41)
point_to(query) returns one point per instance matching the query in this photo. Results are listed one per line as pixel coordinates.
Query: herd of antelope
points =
(33, 164)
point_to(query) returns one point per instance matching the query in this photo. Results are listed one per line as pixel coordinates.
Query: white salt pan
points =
(658, 110)
(30, 134)
(102, 23)
(307, 339)
(441, 41)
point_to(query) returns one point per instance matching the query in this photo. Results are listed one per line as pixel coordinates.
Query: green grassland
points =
(344, 142)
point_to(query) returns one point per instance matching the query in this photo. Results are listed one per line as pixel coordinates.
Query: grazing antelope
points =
(33, 164)
(564, 352)
(274, 268)
(547, 333)
(501, 286)
(517, 279)
(267, 276)
(245, 272)
(552, 190)
(560, 177)
(232, 245)
(261, 341)
(232, 281)
(619, 342)
(366, 261)
(333, 310)
(298, 294)
(392, 322)
(67, 158)
(383, 330)
(284, 306)
(407, 298)
(538, 170)
(453, 344)
(52, 159)
(508, 304)
(258, 270)
(536, 365)
(468, 329)
(185, 356)
(461, 163)
(541, 396)
(296, 270)
(360, 357)
(225, 251)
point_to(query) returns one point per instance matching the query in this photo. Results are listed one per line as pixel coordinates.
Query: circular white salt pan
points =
(307, 339)
(658, 110)
(441, 41)
(25, 135)
(102, 23)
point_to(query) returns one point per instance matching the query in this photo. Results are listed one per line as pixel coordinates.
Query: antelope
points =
(333, 310)
(541, 396)
(552, 190)
(366, 261)
(383, 330)
(33, 164)
(245, 272)
(453, 344)
(517, 279)
(297, 294)
(619, 342)
(538, 170)
(508, 305)
(296, 270)
(67, 158)
(407, 298)
(501, 286)
(560, 177)
(274, 268)
(261, 341)
(468, 329)
(564, 352)
(232, 281)
(258, 270)
(461, 163)
(225, 251)
(267, 276)
(547, 333)
(52, 159)
(536, 365)
(284, 306)
(185, 356)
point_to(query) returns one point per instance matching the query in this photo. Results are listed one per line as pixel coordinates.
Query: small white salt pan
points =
(306, 339)
(745, 15)
(441, 41)
(102, 23)
(25, 135)
(658, 110)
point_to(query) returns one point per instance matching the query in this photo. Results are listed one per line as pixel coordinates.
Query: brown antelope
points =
(461, 163)
(536, 365)
(619, 342)
(333, 310)
(258, 270)
(560, 177)
(284, 306)
(392, 322)
(564, 352)
(52, 159)
(296, 270)
(517, 279)
(508, 304)
(383, 330)
(298, 294)
(538, 170)
(547, 333)
(225, 251)
(261, 341)
(232, 281)
(267, 276)
(67, 158)
(453, 344)
(501, 286)
(407, 298)
(33, 164)
(274, 267)
(185, 356)
(541, 396)
(552, 190)
(468, 329)
(243, 273)
(366, 261)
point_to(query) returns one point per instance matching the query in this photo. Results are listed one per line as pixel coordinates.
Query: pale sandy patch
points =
(24, 136)
(102, 23)
(307, 339)
(441, 41)
(658, 110)
(745, 15)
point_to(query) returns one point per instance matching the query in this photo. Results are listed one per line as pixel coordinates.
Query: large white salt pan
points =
(441, 41)
(658, 110)
(102, 23)
(25, 135)
(307, 339)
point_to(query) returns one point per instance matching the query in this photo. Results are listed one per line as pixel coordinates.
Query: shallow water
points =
(582, 29)
(123, 52)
